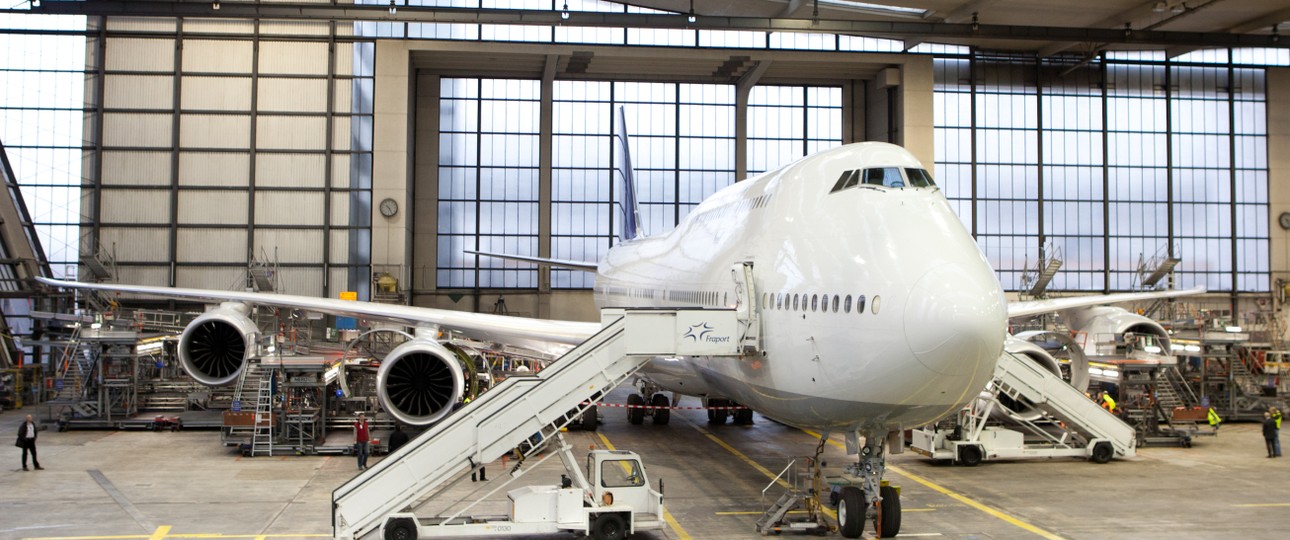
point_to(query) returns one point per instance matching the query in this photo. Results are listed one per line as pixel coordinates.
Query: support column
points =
(390, 156)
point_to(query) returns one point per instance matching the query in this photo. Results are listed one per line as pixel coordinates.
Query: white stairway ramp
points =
(498, 421)
(1021, 377)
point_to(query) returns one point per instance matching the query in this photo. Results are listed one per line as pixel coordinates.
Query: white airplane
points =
(872, 309)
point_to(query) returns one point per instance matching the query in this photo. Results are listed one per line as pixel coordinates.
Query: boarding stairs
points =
(515, 410)
(1020, 378)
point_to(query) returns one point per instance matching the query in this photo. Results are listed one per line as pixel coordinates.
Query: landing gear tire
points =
(1102, 452)
(589, 419)
(970, 455)
(400, 529)
(635, 414)
(663, 414)
(889, 514)
(851, 511)
(718, 416)
(743, 417)
(608, 527)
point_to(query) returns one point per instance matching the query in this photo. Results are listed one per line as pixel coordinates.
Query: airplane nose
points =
(955, 319)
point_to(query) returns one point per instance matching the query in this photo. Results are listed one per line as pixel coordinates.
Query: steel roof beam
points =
(419, 14)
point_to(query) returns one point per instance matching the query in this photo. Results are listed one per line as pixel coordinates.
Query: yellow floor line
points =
(667, 515)
(956, 496)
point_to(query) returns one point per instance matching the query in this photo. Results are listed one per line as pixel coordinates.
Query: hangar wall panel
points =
(294, 28)
(290, 170)
(144, 274)
(289, 208)
(136, 168)
(136, 206)
(340, 207)
(290, 245)
(341, 132)
(140, 54)
(342, 100)
(291, 133)
(155, 92)
(140, 24)
(214, 169)
(291, 95)
(215, 93)
(136, 130)
(303, 281)
(211, 245)
(214, 131)
(140, 244)
(293, 58)
(217, 56)
(199, 277)
(219, 26)
(205, 207)
(339, 244)
(340, 165)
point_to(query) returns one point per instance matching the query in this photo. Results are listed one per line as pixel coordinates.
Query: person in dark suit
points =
(398, 438)
(27, 440)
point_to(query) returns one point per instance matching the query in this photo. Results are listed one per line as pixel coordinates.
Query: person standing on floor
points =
(1271, 435)
(362, 434)
(27, 440)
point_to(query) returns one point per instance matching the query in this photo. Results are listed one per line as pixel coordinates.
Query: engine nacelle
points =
(214, 347)
(1102, 326)
(1020, 409)
(419, 382)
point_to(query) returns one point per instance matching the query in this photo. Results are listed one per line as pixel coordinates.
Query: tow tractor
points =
(615, 504)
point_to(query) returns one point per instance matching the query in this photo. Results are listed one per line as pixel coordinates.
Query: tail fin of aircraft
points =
(631, 228)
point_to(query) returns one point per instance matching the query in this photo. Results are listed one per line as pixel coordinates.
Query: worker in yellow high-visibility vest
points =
(1214, 420)
(1108, 402)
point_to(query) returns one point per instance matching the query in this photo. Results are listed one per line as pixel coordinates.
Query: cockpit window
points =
(848, 179)
(919, 178)
(885, 176)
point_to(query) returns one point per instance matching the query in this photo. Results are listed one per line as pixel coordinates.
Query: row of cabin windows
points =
(816, 302)
(883, 176)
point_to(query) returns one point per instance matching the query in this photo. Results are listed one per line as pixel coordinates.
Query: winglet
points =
(631, 228)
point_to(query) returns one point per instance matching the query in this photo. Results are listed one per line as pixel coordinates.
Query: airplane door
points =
(749, 309)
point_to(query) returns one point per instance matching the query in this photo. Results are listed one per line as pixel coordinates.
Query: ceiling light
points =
(393, 9)
(877, 9)
(564, 13)
(1159, 7)
(215, 5)
(1179, 7)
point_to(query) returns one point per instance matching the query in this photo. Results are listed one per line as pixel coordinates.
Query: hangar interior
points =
(329, 148)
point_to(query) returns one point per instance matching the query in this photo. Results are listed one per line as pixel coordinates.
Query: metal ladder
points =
(262, 439)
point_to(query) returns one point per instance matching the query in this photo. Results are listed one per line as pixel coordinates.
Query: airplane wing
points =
(1035, 307)
(562, 263)
(539, 334)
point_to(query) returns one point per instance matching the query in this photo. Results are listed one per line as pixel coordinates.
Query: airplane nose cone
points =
(955, 320)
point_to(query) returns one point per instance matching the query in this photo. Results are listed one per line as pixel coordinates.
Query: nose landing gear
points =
(861, 494)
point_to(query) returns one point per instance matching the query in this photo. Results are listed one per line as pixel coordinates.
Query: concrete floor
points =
(129, 484)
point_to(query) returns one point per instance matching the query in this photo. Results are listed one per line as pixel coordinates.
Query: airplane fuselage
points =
(877, 308)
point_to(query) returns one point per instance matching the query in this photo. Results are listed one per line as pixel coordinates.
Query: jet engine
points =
(1107, 327)
(419, 382)
(214, 347)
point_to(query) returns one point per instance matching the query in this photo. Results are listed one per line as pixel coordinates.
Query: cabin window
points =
(846, 305)
(919, 178)
(860, 304)
(836, 300)
(795, 296)
(884, 176)
(815, 302)
(877, 302)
